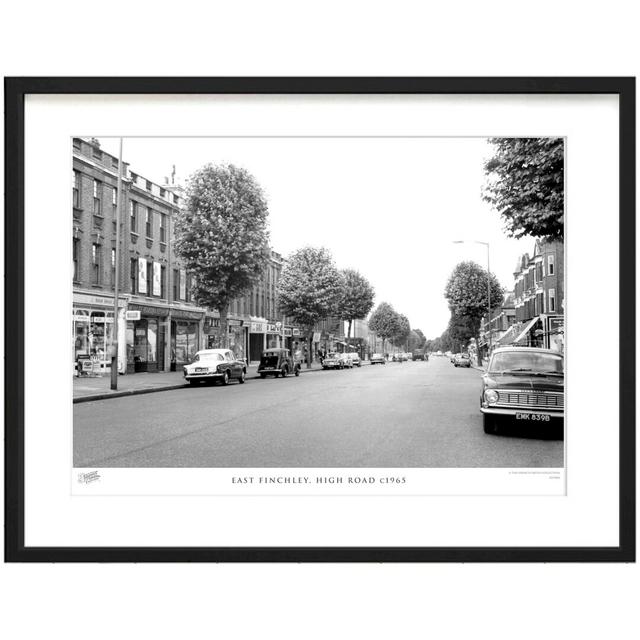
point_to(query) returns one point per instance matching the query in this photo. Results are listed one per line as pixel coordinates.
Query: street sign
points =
(278, 325)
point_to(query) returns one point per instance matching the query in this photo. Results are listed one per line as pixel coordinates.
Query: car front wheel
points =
(243, 373)
(225, 378)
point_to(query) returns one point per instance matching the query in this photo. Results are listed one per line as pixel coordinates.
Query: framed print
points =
(320, 319)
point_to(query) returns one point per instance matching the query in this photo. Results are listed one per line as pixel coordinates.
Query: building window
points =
(149, 185)
(149, 278)
(188, 289)
(176, 283)
(76, 189)
(114, 163)
(551, 265)
(133, 265)
(163, 192)
(149, 222)
(97, 202)
(163, 230)
(97, 154)
(113, 266)
(76, 258)
(133, 216)
(163, 281)
(552, 300)
(175, 199)
(96, 256)
(114, 197)
(77, 143)
(539, 269)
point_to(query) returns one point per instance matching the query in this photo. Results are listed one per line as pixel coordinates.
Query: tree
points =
(461, 329)
(384, 321)
(525, 183)
(422, 344)
(222, 236)
(402, 332)
(415, 340)
(466, 292)
(357, 297)
(309, 289)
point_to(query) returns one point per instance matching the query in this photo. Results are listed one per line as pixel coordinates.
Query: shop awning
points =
(509, 336)
(526, 329)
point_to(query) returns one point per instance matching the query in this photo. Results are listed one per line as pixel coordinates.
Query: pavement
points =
(88, 389)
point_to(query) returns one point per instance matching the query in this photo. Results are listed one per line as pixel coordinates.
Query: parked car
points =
(332, 361)
(277, 362)
(211, 365)
(355, 359)
(409, 356)
(419, 354)
(524, 385)
(345, 358)
(462, 360)
(401, 357)
(377, 358)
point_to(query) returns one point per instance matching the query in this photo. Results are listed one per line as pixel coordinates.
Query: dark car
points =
(418, 354)
(211, 365)
(523, 385)
(277, 362)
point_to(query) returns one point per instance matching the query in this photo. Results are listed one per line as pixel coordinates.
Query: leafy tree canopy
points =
(403, 330)
(310, 286)
(384, 321)
(222, 235)
(357, 297)
(466, 290)
(525, 183)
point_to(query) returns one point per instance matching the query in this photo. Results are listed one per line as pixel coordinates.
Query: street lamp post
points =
(486, 244)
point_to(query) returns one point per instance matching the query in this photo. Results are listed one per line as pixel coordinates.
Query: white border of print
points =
(54, 517)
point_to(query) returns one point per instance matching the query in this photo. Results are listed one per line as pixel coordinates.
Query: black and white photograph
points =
(318, 302)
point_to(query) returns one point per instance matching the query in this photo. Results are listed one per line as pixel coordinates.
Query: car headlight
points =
(491, 396)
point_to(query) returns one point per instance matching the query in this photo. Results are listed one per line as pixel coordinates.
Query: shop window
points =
(133, 216)
(96, 259)
(149, 222)
(76, 189)
(97, 201)
(133, 265)
(76, 259)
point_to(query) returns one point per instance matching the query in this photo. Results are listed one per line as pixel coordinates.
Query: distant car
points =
(332, 361)
(418, 354)
(355, 359)
(377, 358)
(277, 362)
(409, 356)
(211, 365)
(347, 362)
(462, 360)
(524, 385)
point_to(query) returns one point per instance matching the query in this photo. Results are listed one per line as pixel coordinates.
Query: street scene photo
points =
(318, 302)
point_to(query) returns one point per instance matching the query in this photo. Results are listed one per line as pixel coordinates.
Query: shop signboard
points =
(258, 327)
(271, 328)
(555, 333)
(157, 269)
(287, 332)
(132, 315)
(296, 331)
(142, 275)
(316, 336)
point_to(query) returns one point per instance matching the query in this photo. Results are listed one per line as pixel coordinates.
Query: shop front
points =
(145, 338)
(185, 338)
(93, 328)
(237, 340)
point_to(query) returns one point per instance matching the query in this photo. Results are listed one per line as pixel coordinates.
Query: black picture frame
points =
(16, 89)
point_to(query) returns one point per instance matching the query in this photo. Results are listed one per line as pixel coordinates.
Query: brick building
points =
(160, 327)
(539, 298)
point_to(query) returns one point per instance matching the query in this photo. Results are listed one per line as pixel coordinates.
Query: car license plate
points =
(200, 370)
(533, 417)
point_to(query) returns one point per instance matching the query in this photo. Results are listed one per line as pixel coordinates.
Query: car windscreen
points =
(526, 361)
(210, 357)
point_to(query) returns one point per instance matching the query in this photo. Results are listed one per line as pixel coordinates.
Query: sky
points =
(392, 208)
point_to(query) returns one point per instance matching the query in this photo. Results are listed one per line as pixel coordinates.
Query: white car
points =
(213, 365)
(345, 359)
(355, 359)
(378, 358)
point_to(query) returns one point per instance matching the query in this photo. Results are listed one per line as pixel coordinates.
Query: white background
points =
(401, 601)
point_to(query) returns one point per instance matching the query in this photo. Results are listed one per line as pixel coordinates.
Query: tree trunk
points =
(349, 331)
(223, 329)
(310, 352)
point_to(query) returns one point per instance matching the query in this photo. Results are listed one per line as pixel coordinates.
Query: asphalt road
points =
(411, 414)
